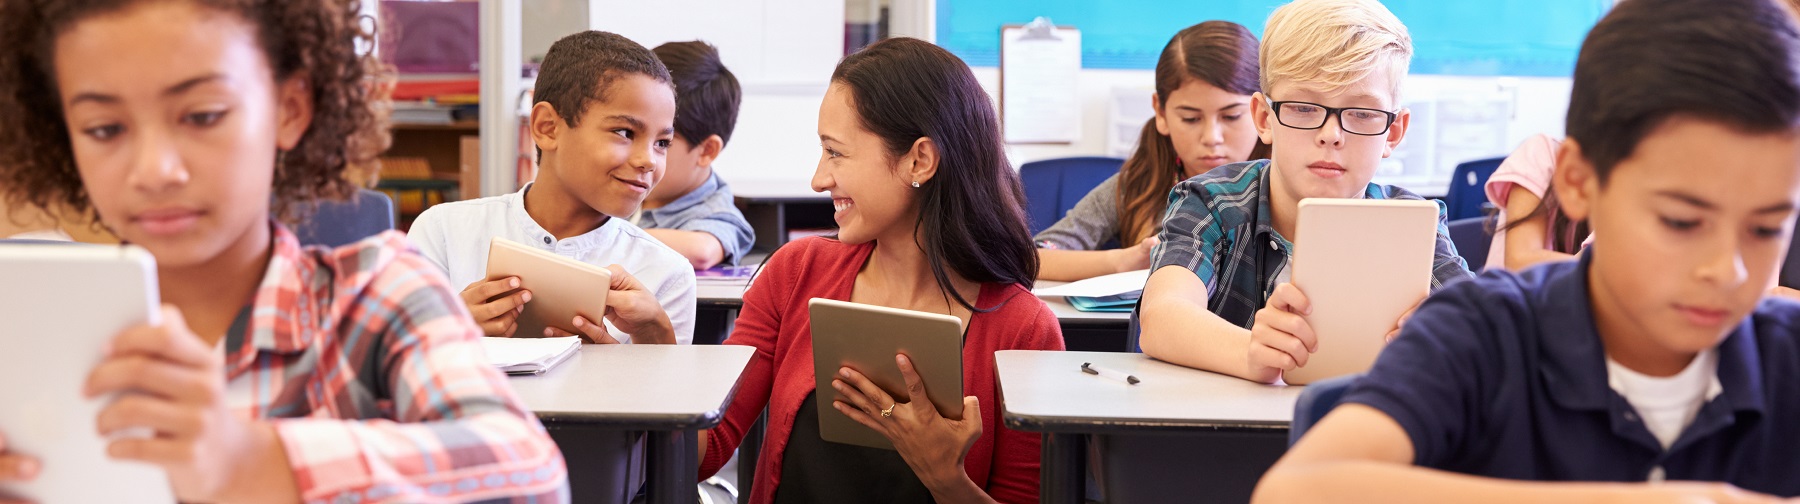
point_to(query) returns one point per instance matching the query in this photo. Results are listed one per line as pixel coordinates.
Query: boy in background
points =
(691, 209)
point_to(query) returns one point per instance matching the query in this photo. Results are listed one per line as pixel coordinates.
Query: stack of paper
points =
(1117, 292)
(518, 356)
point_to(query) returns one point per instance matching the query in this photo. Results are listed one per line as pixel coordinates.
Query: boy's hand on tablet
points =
(171, 387)
(1135, 257)
(1402, 321)
(496, 305)
(634, 309)
(1280, 338)
(590, 332)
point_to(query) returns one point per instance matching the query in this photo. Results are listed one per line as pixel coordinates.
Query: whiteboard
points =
(763, 42)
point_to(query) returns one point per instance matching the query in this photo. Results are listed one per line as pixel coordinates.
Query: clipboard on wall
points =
(1040, 64)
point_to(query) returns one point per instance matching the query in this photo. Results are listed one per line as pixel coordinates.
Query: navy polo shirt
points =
(1504, 376)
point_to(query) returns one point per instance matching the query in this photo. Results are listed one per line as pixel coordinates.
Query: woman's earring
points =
(915, 184)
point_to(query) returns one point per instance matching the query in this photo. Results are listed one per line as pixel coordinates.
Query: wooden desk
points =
(1088, 331)
(773, 207)
(1179, 431)
(610, 392)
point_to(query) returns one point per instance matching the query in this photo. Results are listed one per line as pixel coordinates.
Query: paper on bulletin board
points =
(1040, 64)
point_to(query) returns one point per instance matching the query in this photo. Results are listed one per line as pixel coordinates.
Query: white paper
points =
(1039, 99)
(1100, 286)
(510, 354)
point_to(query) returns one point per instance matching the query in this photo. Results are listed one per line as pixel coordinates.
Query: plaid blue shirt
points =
(1219, 226)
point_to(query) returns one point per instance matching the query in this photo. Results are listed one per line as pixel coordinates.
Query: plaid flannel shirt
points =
(1218, 226)
(368, 366)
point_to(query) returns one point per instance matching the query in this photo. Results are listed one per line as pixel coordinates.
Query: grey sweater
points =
(1093, 222)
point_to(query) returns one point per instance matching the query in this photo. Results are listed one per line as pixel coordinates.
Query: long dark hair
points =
(1566, 234)
(1220, 53)
(972, 212)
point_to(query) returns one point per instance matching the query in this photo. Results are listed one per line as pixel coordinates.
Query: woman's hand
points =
(171, 385)
(934, 446)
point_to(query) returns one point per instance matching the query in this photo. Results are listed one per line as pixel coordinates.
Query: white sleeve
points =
(425, 235)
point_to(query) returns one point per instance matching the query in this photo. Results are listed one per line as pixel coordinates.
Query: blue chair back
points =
(339, 223)
(1315, 401)
(1472, 240)
(1468, 193)
(1053, 186)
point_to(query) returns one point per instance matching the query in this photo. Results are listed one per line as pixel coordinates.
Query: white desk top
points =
(638, 387)
(1047, 392)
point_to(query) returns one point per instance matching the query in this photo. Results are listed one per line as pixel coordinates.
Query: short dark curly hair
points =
(580, 68)
(314, 38)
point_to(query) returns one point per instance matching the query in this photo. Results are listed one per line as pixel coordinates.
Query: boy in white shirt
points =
(602, 122)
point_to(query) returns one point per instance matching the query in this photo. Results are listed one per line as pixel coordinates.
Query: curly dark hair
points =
(314, 38)
(579, 69)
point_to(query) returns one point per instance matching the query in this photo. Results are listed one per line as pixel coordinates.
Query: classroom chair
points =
(1315, 401)
(1468, 196)
(1472, 237)
(1053, 186)
(339, 223)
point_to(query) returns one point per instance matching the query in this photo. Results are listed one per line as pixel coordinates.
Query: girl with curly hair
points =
(278, 373)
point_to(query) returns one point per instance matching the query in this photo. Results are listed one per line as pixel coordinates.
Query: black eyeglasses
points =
(1354, 120)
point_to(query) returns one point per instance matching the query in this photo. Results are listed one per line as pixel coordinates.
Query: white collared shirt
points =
(455, 237)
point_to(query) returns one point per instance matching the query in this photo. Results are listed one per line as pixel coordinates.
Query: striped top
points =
(1219, 226)
(368, 366)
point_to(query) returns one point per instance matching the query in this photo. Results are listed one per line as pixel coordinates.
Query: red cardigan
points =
(775, 321)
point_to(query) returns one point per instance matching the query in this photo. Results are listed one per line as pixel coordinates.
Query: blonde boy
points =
(1218, 297)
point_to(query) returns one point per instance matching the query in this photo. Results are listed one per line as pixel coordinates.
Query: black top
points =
(816, 470)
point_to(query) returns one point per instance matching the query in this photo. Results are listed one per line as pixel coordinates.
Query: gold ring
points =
(889, 412)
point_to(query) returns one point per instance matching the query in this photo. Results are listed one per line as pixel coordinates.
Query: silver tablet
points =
(866, 338)
(62, 304)
(561, 288)
(1361, 263)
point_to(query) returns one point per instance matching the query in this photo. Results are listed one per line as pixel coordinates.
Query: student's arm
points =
(1067, 249)
(1359, 454)
(1178, 328)
(450, 407)
(1072, 265)
(758, 326)
(702, 249)
(1525, 240)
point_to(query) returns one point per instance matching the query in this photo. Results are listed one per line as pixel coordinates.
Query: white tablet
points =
(61, 304)
(866, 338)
(1361, 263)
(561, 288)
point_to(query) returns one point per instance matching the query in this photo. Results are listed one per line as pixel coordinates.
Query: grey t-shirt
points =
(1093, 222)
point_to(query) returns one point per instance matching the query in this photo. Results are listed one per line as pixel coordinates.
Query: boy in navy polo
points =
(1655, 357)
(691, 209)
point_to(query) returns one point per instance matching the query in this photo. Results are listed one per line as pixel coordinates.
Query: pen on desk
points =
(1090, 368)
